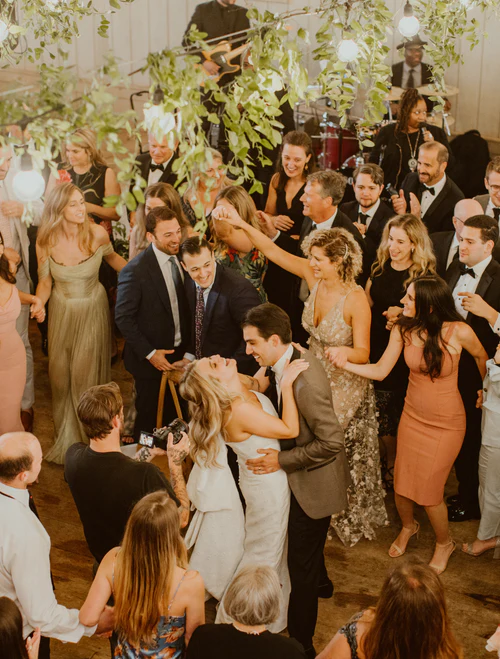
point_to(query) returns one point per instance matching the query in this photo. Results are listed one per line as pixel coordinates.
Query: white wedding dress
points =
(267, 498)
(225, 540)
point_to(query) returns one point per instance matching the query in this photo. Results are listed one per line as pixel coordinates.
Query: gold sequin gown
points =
(79, 343)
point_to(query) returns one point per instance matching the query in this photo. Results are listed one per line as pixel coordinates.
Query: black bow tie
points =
(153, 167)
(464, 270)
(425, 188)
(271, 375)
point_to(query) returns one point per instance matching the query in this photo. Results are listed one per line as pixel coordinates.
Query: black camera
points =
(392, 190)
(159, 437)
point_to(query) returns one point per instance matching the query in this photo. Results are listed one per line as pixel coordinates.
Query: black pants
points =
(44, 652)
(467, 462)
(146, 402)
(306, 564)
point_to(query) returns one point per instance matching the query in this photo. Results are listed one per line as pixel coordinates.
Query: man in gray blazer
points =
(315, 463)
(491, 202)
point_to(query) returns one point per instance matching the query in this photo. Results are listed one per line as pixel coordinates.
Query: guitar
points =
(222, 56)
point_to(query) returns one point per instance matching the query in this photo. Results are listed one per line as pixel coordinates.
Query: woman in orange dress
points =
(432, 426)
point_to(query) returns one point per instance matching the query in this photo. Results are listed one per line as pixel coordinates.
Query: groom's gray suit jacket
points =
(315, 462)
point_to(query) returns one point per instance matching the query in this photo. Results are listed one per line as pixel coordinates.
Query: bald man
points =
(446, 243)
(25, 549)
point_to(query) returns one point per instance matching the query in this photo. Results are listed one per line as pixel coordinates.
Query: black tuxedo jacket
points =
(230, 297)
(144, 315)
(397, 74)
(489, 289)
(441, 243)
(439, 216)
(144, 161)
(373, 234)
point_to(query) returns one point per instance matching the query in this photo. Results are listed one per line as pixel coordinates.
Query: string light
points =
(409, 25)
(347, 50)
(28, 184)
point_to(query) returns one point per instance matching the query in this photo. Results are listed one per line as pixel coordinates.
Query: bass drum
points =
(334, 145)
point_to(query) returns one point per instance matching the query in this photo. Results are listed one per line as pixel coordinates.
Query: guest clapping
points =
(233, 248)
(253, 602)
(70, 249)
(88, 170)
(410, 620)
(432, 426)
(158, 603)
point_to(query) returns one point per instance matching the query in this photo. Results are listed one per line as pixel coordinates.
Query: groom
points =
(315, 463)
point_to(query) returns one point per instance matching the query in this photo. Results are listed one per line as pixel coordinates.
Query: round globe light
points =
(28, 185)
(347, 50)
(4, 31)
(409, 26)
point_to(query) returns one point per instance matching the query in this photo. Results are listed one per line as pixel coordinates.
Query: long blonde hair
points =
(192, 195)
(86, 139)
(210, 406)
(53, 216)
(423, 259)
(151, 549)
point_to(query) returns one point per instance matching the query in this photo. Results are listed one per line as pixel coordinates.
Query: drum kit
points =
(339, 148)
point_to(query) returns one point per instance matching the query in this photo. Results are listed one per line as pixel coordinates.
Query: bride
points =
(224, 410)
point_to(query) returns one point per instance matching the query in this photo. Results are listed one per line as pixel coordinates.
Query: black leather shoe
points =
(453, 500)
(325, 591)
(459, 514)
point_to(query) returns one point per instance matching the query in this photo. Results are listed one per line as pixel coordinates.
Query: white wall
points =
(150, 25)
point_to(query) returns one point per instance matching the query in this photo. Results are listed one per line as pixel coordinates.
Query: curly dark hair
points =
(408, 101)
(5, 272)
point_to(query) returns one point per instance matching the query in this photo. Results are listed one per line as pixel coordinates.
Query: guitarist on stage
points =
(218, 18)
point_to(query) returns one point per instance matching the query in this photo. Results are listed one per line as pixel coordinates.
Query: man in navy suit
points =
(368, 213)
(152, 315)
(218, 299)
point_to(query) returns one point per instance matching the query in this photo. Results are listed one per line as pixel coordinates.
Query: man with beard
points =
(428, 193)
(105, 483)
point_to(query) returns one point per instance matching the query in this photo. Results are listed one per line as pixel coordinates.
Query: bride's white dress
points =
(218, 540)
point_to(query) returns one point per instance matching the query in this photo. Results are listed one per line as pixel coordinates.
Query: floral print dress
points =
(354, 404)
(252, 266)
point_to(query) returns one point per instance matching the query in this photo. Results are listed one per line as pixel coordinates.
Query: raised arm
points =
(385, 364)
(294, 264)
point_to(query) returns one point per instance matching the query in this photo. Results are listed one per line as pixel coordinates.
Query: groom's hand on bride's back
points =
(267, 464)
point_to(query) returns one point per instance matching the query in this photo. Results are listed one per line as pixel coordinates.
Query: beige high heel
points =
(439, 569)
(467, 549)
(395, 551)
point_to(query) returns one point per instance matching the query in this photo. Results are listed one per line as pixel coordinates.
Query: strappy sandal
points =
(467, 549)
(439, 569)
(395, 551)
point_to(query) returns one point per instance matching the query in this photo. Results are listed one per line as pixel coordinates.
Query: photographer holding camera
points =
(105, 483)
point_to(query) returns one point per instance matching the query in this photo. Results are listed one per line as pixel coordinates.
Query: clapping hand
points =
(337, 356)
(360, 227)
(399, 203)
(415, 208)
(292, 371)
(282, 222)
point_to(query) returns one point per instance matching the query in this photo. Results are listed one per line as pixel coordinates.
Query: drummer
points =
(396, 145)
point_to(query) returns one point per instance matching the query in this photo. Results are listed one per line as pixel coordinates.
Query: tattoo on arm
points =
(179, 487)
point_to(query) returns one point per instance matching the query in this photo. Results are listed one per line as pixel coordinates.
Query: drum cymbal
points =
(428, 90)
(437, 119)
(395, 94)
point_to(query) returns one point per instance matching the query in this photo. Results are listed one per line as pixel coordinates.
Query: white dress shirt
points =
(455, 244)
(428, 199)
(370, 213)
(468, 284)
(155, 176)
(279, 367)
(327, 224)
(489, 209)
(417, 75)
(165, 267)
(206, 293)
(25, 571)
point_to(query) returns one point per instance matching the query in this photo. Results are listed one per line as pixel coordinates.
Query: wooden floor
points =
(472, 584)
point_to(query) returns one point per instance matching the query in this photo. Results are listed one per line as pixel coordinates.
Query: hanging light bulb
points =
(4, 31)
(347, 50)
(409, 25)
(28, 184)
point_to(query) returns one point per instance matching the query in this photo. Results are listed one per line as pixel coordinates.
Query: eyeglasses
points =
(458, 219)
(419, 112)
(494, 188)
